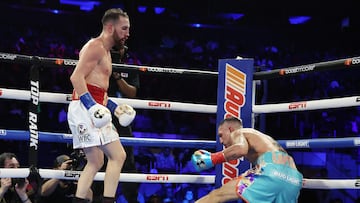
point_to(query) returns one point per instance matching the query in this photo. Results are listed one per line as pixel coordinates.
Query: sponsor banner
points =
(352, 61)
(297, 144)
(34, 110)
(163, 70)
(297, 69)
(66, 62)
(234, 99)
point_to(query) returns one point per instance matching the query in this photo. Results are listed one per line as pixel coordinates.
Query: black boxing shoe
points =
(108, 200)
(79, 200)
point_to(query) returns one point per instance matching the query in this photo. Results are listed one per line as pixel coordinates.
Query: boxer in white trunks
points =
(89, 113)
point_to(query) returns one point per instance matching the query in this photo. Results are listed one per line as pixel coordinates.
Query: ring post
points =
(34, 110)
(234, 99)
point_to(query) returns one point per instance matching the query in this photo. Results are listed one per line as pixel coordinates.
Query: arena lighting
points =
(84, 5)
(232, 16)
(295, 20)
(142, 9)
(345, 22)
(55, 11)
(197, 25)
(201, 25)
(159, 10)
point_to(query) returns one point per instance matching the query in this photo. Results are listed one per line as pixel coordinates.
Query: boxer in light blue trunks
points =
(274, 177)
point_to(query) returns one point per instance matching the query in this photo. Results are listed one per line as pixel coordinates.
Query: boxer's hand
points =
(99, 114)
(125, 113)
(203, 160)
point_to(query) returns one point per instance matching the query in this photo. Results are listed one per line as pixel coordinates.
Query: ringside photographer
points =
(14, 190)
(60, 191)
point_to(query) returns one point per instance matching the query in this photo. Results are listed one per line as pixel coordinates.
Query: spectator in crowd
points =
(60, 191)
(168, 193)
(14, 190)
(150, 189)
(188, 196)
(165, 161)
(155, 199)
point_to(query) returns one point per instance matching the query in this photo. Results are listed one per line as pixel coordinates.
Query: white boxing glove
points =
(99, 114)
(123, 112)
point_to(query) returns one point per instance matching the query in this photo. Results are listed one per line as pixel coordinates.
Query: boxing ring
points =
(35, 96)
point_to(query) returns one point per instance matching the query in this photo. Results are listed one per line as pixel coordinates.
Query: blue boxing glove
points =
(203, 160)
(99, 114)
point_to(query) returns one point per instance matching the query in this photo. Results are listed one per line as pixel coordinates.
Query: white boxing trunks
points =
(85, 134)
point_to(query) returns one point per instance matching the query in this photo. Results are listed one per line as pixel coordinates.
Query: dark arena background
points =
(167, 35)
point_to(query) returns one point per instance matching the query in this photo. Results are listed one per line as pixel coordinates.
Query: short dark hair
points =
(60, 159)
(4, 156)
(231, 119)
(113, 15)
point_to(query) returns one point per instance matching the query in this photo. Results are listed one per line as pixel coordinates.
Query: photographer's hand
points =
(66, 165)
(21, 191)
(4, 186)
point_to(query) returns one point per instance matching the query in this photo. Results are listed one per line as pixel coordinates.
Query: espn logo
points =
(297, 105)
(157, 177)
(357, 183)
(159, 104)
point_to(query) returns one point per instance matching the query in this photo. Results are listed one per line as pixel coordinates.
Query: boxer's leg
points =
(225, 193)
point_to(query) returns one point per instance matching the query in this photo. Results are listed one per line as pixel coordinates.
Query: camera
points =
(19, 181)
(78, 160)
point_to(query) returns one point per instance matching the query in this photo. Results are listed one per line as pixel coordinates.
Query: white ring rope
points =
(124, 177)
(308, 105)
(136, 103)
(168, 178)
(191, 107)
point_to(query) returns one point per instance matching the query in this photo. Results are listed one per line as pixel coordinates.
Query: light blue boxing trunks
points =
(271, 180)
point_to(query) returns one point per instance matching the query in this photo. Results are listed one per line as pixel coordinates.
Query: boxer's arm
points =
(89, 57)
(238, 150)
